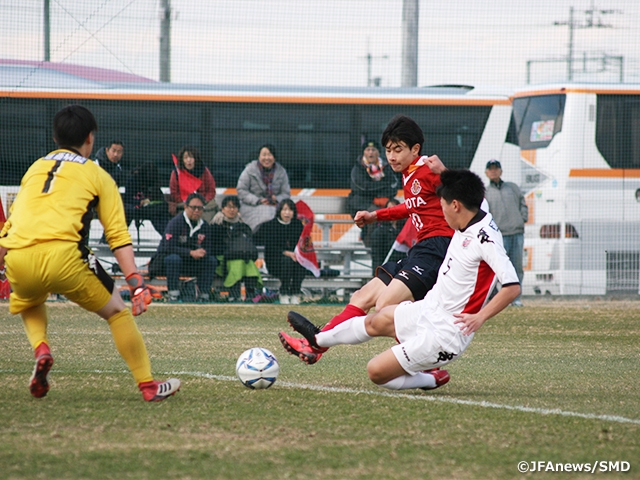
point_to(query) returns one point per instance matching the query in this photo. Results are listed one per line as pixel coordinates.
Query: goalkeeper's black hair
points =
(72, 125)
(462, 185)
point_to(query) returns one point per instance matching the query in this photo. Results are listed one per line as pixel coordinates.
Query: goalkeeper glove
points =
(141, 294)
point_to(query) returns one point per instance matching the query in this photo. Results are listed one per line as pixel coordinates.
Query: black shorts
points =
(419, 270)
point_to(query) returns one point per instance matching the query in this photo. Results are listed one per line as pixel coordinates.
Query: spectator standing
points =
(110, 159)
(373, 184)
(192, 176)
(187, 248)
(143, 198)
(237, 263)
(510, 211)
(43, 244)
(261, 186)
(280, 237)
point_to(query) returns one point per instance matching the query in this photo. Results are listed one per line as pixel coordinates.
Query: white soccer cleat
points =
(158, 391)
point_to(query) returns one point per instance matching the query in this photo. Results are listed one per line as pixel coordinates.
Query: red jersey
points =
(421, 203)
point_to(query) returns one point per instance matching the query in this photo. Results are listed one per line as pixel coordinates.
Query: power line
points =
(593, 18)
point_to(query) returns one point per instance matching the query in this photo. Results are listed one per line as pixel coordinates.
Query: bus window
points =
(617, 127)
(538, 119)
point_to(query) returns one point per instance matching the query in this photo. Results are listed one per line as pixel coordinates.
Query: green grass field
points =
(555, 382)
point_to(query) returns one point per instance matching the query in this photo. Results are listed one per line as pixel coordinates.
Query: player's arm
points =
(397, 212)
(435, 164)
(470, 323)
(141, 293)
(365, 217)
(495, 256)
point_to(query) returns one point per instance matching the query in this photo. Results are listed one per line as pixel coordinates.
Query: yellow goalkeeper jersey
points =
(56, 200)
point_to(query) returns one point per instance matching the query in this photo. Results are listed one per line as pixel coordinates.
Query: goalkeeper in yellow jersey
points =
(43, 247)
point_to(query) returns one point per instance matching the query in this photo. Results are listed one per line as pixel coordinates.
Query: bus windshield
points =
(537, 119)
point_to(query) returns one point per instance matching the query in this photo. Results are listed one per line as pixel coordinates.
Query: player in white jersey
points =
(436, 330)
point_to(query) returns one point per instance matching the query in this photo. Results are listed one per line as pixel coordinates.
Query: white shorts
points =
(427, 337)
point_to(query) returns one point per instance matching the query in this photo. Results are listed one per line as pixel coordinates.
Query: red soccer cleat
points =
(39, 381)
(442, 377)
(300, 347)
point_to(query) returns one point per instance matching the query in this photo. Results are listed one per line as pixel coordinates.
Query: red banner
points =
(305, 253)
(406, 238)
(188, 183)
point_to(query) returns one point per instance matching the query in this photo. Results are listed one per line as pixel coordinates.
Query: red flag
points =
(188, 183)
(305, 253)
(406, 238)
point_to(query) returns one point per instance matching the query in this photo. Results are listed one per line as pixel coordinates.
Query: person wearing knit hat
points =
(373, 183)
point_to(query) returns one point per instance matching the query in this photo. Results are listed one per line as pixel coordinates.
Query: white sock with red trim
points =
(351, 332)
(404, 382)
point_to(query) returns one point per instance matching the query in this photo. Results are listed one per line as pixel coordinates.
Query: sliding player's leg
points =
(385, 370)
(418, 353)
(360, 303)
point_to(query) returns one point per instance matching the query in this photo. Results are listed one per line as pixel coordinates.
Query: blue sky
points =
(325, 42)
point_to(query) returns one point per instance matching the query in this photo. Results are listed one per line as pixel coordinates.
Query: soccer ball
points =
(257, 368)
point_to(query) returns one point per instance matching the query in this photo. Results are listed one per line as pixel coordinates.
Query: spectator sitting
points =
(382, 238)
(192, 176)
(261, 186)
(143, 198)
(373, 183)
(110, 159)
(280, 237)
(187, 248)
(237, 263)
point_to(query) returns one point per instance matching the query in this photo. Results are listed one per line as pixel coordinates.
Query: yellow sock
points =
(35, 322)
(130, 344)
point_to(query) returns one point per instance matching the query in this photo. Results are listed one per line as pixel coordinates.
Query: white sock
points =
(351, 332)
(404, 382)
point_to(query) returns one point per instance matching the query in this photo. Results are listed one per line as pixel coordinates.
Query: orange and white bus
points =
(317, 131)
(579, 166)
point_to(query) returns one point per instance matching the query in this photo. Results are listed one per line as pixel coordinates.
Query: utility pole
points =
(410, 17)
(372, 82)
(593, 20)
(570, 54)
(47, 32)
(165, 41)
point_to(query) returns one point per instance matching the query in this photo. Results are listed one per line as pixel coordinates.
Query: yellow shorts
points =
(56, 267)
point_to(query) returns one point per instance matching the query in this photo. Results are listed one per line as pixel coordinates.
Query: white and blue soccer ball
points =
(257, 368)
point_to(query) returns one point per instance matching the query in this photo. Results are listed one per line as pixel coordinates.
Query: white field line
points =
(429, 398)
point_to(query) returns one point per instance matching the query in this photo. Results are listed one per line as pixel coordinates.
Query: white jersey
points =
(475, 261)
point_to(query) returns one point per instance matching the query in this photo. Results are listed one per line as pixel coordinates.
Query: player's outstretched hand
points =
(435, 164)
(364, 217)
(141, 294)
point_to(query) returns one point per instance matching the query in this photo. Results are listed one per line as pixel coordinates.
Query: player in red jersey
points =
(412, 277)
(438, 329)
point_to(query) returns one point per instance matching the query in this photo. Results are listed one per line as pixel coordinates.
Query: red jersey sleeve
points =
(392, 213)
